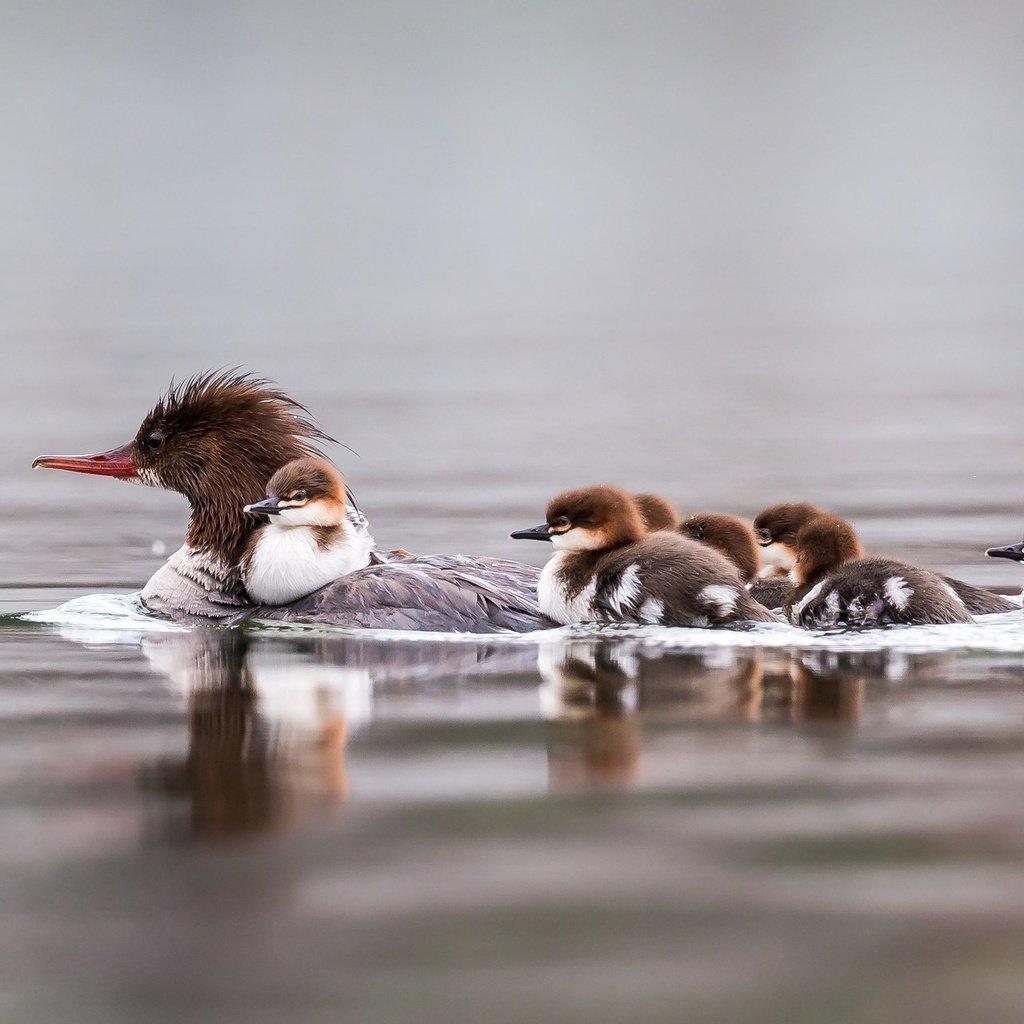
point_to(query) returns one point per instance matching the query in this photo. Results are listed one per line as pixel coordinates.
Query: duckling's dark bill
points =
(542, 532)
(1012, 551)
(117, 463)
(266, 507)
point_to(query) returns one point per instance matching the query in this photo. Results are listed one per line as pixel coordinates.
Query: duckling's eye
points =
(154, 440)
(561, 521)
(298, 496)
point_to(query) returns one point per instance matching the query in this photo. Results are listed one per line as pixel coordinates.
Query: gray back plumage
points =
(435, 593)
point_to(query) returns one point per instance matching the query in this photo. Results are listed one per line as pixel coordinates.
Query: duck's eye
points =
(561, 521)
(154, 440)
(298, 496)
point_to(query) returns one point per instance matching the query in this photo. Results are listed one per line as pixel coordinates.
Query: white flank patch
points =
(553, 598)
(898, 592)
(832, 604)
(652, 611)
(288, 564)
(722, 596)
(626, 591)
(811, 595)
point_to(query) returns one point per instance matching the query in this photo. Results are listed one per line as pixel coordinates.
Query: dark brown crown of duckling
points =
(310, 479)
(658, 513)
(608, 510)
(779, 524)
(728, 534)
(823, 543)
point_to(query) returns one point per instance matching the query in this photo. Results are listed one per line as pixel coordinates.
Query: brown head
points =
(823, 543)
(305, 492)
(589, 519)
(728, 534)
(775, 530)
(217, 439)
(658, 513)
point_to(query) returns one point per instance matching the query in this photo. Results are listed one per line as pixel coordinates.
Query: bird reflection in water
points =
(267, 730)
(269, 718)
(597, 695)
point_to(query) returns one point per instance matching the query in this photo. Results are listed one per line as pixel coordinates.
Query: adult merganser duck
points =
(609, 568)
(780, 525)
(658, 513)
(313, 536)
(218, 439)
(734, 538)
(834, 586)
(1015, 552)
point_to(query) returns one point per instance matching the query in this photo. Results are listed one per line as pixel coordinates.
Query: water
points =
(729, 252)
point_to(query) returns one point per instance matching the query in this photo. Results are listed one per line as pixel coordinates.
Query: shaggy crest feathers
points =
(217, 438)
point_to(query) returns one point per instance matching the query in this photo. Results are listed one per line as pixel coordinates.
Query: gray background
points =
(737, 252)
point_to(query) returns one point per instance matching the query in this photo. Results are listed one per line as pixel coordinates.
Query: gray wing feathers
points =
(436, 593)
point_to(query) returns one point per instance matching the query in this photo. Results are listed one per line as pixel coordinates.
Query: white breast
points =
(287, 564)
(554, 600)
(775, 560)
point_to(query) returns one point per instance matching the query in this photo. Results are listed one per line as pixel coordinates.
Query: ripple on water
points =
(120, 618)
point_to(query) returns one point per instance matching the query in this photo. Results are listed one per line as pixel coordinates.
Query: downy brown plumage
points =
(779, 525)
(734, 538)
(658, 513)
(609, 568)
(834, 586)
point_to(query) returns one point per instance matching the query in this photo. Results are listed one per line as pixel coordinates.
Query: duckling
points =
(312, 536)
(775, 530)
(777, 527)
(833, 585)
(608, 568)
(734, 538)
(658, 513)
